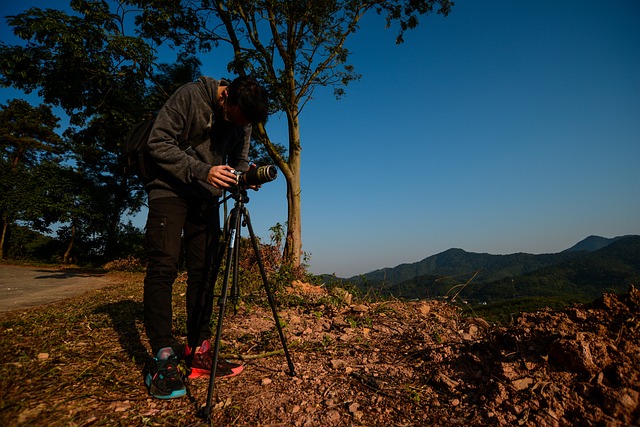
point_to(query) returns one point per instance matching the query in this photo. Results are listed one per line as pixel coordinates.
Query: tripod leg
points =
(235, 287)
(265, 282)
(234, 240)
(205, 293)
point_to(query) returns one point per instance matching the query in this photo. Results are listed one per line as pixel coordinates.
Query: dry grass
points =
(76, 362)
(79, 362)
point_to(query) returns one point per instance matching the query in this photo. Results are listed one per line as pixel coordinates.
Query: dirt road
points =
(23, 287)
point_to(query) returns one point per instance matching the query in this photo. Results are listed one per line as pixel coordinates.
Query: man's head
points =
(246, 102)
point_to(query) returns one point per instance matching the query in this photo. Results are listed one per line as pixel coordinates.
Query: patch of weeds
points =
(327, 340)
(13, 323)
(368, 322)
(385, 309)
(288, 300)
(265, 341)
(180, 324)
(331, 301)
(362, 342)
(99, 322)
(246, 338)
(413, 394)
(248, 307)
(359, 321)
(353, 323)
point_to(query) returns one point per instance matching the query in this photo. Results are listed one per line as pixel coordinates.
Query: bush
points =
(25, 244)
(129, 263)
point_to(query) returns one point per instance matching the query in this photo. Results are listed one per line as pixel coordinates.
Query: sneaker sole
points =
(153, 391)
(197, 373)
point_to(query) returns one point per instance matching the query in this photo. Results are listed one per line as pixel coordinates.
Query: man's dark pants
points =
(168, 219)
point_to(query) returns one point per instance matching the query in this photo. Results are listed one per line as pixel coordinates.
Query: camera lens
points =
(258, 176)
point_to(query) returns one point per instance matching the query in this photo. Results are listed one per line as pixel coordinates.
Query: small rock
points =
(622, 403)
(266, 381)
(424, 308)
(338, 364)
(572, 354)
(360, 308)
(294, 319)
(577, 314)
(443, 379)
(122, 406)
(333, 417)
(522, 384)
(345, 337)
(467, 337)
(480, 322)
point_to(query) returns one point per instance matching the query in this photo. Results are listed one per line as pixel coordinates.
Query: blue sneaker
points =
(162, 376)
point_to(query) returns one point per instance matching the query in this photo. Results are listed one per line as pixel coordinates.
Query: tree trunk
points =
(2, 236)
(67, 253)
(116, 210)
(291, 170)
(293, 243)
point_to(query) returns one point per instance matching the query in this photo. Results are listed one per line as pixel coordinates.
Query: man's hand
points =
(222, 177)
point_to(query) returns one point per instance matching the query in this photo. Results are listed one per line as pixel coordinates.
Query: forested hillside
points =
(570, 276)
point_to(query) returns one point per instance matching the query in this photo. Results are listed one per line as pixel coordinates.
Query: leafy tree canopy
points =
(76, 61)
(27, 133)
(87, 63)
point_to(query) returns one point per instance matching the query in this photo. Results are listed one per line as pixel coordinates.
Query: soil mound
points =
(422, 363)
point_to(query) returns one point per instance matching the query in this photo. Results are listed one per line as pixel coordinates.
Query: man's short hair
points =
(250, 97)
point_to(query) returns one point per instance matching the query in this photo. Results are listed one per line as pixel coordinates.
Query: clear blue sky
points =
(505, 127)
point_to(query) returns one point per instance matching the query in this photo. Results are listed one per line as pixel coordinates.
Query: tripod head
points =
(239, 194)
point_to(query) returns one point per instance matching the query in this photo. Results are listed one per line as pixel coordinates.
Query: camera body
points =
(256, 176)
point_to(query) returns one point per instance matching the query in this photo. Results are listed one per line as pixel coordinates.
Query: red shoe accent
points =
(202, 360)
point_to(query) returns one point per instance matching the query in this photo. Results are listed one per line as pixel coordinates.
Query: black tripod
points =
(238, 217)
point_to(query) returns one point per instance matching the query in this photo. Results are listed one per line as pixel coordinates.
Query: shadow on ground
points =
(125, 316)
(67, 273)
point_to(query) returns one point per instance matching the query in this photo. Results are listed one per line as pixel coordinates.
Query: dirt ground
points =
(421, 363)
(388, 363)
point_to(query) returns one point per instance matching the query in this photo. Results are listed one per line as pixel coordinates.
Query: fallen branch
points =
(258, 356)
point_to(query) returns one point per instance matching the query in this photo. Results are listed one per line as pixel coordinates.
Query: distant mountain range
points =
(585, 270)
(593, 243)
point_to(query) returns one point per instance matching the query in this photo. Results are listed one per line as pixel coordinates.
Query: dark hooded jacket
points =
(188, 138)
